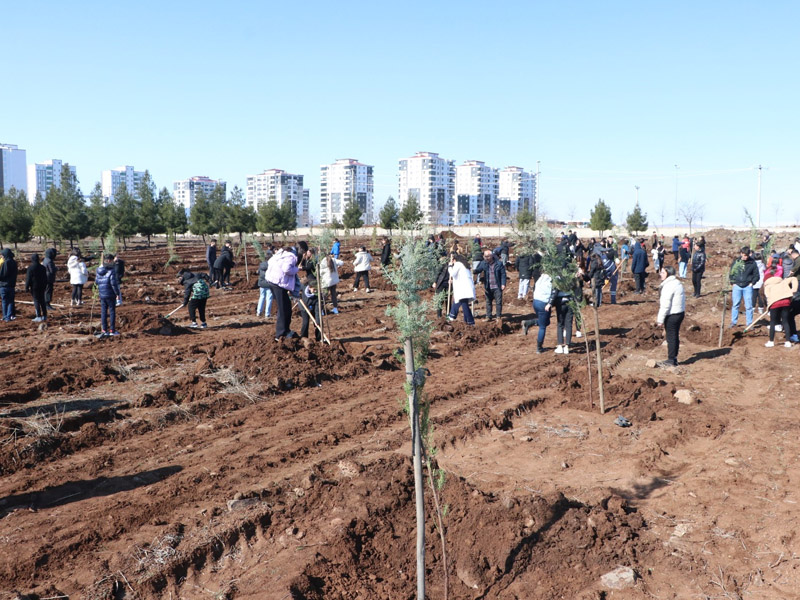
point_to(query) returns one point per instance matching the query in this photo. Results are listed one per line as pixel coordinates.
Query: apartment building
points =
(13, 162)
(341, 181)
(431, 180)
(516, 192)
(283, 187)
(111, 179)
(43, 176)
(185, 190)
(476, 193)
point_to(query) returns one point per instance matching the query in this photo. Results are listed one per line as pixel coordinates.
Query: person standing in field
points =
(49, 264)
(211, 258)
(361, 265)
(8, 283)
(743, 275)
(78, 276)
(329, 273)
(494, 282)
(386, 252)
(463, 288)
(698, 267)
(672, 307)
(36, 284)
(543, 296)
(195, 296)
(108, 288)
(639, 264)
(281, 272)
(265, 297)
(779, 294)
(524, 266)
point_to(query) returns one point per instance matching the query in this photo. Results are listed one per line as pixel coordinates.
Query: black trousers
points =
(283, 321)
(306, 320)
(39, 305)
(564, 321)
(781, 315)
(359, 275)
(697, 280)
(672, 325)
(199, 305)
(639, 281)
(77, 292)
(217, 277)
(496, 296)
(48, 292)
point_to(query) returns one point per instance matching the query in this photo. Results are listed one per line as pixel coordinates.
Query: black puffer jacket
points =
(747, 275)
(9, 269)
(225, 259)
(49, 264)
(36, 276)
(262, 274)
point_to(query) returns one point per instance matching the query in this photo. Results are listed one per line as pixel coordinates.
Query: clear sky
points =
(606, 95)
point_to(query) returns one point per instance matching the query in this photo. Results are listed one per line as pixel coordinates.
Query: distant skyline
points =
(606, 96)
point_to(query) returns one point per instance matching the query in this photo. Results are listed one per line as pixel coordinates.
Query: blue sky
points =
(607, 96)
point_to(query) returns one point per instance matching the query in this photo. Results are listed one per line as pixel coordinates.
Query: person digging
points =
(195, 296)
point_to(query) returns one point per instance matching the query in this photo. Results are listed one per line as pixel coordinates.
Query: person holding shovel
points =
(195, 296)
(309, 298)
(779, 294)
(281, 271)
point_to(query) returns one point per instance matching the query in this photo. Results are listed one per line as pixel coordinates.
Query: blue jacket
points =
(499, 272)
(639, 262)
(107, 283)
(676, 243)
(336, 249)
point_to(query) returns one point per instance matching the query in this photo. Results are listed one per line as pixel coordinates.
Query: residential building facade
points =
(476, 193)
(111, 179)
(516, 192)
(13, 163)
(185, 190)
(341, 181)
(431, 180)
(43, 176)
(283, 187)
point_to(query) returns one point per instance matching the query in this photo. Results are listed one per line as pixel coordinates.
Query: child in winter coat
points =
(309, 298)
(265, 296)
(106, 280)
(362, 265)
(49, 264)
(8, 283)
(36, 284)
(78, 276)
(329, 272)
(195, 296)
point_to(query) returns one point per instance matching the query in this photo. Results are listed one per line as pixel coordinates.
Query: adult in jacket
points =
(671, 310)
(49, 264)
(78, 276)
(524, 265)
(743, 276)
(698, 267)
(494, 282)
(362, 265)
(36, 283)
(639, 264)
(779, 292)
(386, 252)
(463, 288)
(211, 258)
(8, 282)
(281, 272)
(329, 274)
(223, 266)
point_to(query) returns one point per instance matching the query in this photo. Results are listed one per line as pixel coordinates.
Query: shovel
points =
(167, 316)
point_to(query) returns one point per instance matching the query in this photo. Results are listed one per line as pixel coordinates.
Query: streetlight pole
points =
(676, 196)
(536, 199)
(637, 194)
(758, 200)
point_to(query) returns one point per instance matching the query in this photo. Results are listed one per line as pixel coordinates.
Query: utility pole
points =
(676, 196)
(758, 201)
(536, 201)
(637, 194)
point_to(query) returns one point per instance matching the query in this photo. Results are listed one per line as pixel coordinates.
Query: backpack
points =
(200, 290)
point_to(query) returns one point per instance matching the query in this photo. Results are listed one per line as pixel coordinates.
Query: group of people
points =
(40, 279)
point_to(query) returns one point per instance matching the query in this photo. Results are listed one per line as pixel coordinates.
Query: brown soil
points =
(180, 463)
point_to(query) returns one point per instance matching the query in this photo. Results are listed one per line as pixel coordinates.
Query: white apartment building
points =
(431, 180)
(283, 187)
(13, 163)
(184, 190)
(111, 179)
(476, 193)
(516, 192)
(43, 176)
(339, 182)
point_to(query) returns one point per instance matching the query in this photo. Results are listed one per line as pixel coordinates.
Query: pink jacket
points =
(281, 269)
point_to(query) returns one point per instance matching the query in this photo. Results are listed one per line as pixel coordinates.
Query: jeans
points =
(597, 292)
(334, 296)
(7, 296)
(672, 325)
(475, 264)
(524, 286)
(199, 305)
(496, 296)
(265, 299)
(737, 294)
(682, 269)
(697, 280)
(108, 313)
(468, 318)
(543, 317)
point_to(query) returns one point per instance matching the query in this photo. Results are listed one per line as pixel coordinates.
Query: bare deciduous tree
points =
(691, 212)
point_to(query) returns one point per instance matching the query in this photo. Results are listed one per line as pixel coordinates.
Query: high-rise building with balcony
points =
(283, 187)
(516, 192)
(476, 193)
(431, 180)
(342, 181)
(111, 179)
(13, 163)
(186, 189)
(43, 176)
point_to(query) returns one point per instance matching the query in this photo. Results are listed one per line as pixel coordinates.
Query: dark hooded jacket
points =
(36, 276)
(639, 262)
(188, 279)
(262, 274)
(8, 270)
(119, 269)
(525, 266)
(49, 264)
(386, 253)
(225, 259)
(107, 283)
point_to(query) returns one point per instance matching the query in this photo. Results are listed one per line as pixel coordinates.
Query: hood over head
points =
(7, 253)
(50, 253)
(35, 258)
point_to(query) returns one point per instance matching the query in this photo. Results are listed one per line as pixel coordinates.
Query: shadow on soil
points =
(641, 491)
(74, 491)
(89, 405)
(707, 355)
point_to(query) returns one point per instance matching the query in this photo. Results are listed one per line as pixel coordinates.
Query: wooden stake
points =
(599, 360)
(722, 318)
(246, 269)
(29, 302)
(416, 455)
(313, 320)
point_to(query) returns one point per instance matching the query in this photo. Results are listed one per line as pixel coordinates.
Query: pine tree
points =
(173, 215)
(269, 218)
(288, 216)
(16, 217)
(636, 221)
(124, 214)
(352, 216)
(98, 214)
(200, 216)
(600, 218)
(240, 217)
(389, 216)
(525, 218)
(218, 206)
(38, 211)
(76, 225)
(410, 216)
(149, 218)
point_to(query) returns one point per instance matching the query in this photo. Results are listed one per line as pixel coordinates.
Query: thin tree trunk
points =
(722, 318)
(246, 268)
(416, 439)
(599, 360)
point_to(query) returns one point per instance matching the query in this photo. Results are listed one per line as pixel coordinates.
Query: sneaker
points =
(665, 364)
(193, 325)
(355, 290)
(578, 334)
(335, 311)
(787, 344)
(114, 333)
(566, 349)
(794, 339)
(12, 318)
(203, 325)
(559, 350)
(451, 319)
(101, 335)
(525, 327)
(119, 302)
(539, 350)
(778, 327)
(770, 344)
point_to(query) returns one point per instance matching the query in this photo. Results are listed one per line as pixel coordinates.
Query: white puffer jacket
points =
(673, 298)
(362, 262)
(78, 275)
(329, 277)
(463, 288)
